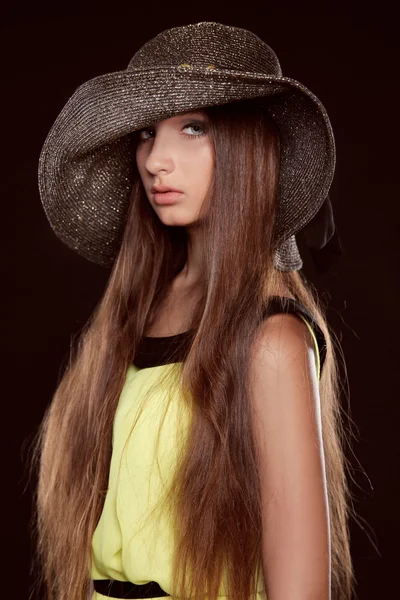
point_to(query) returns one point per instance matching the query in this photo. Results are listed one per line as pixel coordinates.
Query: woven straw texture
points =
(85, 167)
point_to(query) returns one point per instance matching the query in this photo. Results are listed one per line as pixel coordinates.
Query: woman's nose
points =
(160, 156)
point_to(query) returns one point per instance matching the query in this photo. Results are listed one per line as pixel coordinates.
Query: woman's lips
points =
(167, 197)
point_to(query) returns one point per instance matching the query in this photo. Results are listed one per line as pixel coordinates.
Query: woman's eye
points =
(194, 126)
(141, 132)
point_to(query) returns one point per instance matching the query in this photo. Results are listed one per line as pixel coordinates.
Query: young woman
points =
(195, 443)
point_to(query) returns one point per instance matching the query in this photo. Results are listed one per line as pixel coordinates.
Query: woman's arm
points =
(287, 424)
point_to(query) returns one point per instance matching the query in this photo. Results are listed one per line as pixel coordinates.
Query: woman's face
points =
(177, 153)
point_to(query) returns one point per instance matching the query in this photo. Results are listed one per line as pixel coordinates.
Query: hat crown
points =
(208, 45)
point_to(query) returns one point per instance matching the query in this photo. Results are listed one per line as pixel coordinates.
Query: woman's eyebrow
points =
(193, 114)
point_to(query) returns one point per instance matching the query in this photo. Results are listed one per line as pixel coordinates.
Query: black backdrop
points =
(348, 56)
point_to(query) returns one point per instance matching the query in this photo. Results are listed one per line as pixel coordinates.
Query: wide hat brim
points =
(85, 167)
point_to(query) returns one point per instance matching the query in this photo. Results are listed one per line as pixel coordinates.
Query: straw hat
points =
(85, 167)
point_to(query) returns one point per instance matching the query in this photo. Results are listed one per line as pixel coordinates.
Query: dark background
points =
(348, 56)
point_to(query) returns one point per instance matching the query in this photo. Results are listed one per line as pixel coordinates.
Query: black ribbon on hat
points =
(322, 239)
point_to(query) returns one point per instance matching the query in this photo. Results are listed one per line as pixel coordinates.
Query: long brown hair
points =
(216, 483)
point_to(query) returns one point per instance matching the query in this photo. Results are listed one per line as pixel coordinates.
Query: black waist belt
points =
(126, 589)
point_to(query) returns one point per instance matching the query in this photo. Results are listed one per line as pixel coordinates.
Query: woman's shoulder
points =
(288, 305)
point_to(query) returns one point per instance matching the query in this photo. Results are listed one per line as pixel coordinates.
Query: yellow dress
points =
(129, 543)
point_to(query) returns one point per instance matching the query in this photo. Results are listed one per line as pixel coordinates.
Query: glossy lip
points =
(167, 197)
(163, 188)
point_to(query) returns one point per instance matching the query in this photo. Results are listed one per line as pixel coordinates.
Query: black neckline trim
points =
(167, 337)
(157, 351)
